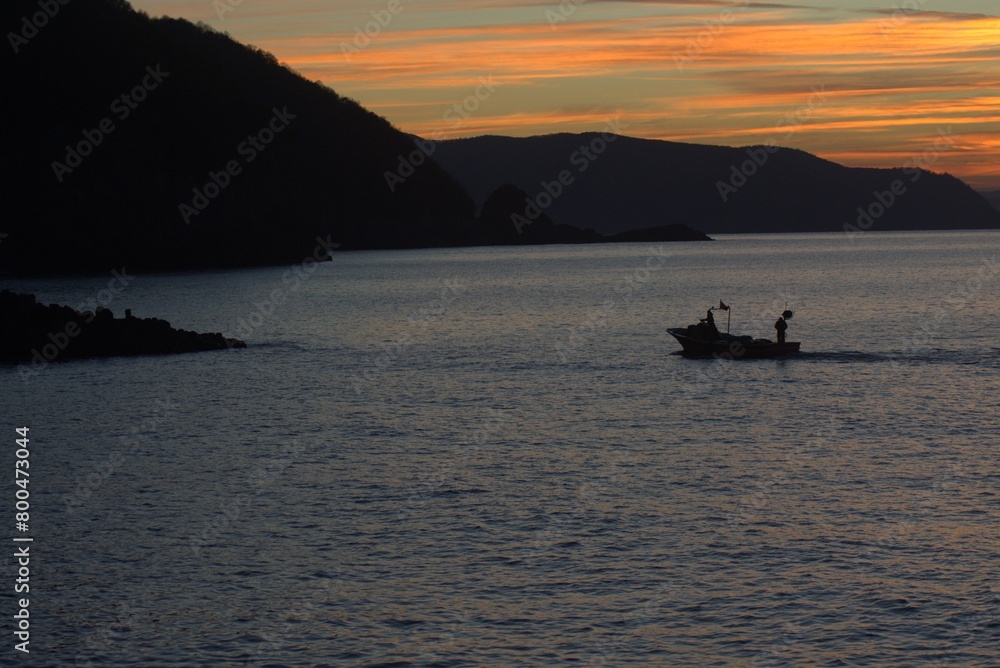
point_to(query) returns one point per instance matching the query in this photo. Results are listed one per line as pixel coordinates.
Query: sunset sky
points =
(854, 81)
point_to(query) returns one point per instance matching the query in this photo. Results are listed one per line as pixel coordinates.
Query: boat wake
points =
(930, 356)
(844, 356)
(986, 358)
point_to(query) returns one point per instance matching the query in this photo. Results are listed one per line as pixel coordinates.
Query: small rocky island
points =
(39, 334)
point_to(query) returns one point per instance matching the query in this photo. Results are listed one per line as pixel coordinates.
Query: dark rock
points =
(30, 331)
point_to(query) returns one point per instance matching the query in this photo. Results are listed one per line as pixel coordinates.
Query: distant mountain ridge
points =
(621, 183)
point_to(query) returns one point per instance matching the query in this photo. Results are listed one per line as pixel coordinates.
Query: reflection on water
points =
(489, 457)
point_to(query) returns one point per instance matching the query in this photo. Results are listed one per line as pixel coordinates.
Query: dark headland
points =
(159, 144)
(31, 332)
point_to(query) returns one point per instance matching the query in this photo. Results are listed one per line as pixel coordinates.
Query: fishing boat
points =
(705, 340)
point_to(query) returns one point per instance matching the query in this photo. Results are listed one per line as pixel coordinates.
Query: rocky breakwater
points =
(38, 334)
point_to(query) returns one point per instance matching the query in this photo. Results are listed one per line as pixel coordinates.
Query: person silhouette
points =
(781, 326)
(712, 330)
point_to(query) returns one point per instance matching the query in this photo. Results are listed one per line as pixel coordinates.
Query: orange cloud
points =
(888, 81)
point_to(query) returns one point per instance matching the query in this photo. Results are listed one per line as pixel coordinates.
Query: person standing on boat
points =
(713, 331)
(781, 326)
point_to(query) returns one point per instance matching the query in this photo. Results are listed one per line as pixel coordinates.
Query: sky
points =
(853, 81)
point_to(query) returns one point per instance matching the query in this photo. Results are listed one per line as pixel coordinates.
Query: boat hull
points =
(733, 349)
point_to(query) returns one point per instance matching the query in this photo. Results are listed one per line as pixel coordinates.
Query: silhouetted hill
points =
(614, 183)
(510, 217)
(504, 220)
(95, 180)
(993, 197)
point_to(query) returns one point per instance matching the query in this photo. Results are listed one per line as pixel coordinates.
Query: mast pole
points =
(729, 318)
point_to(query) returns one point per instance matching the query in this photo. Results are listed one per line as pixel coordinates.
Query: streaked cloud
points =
(921, 13)
(714, 71)
(721, 4)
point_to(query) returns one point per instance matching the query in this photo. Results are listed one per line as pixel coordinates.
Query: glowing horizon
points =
(860, 85)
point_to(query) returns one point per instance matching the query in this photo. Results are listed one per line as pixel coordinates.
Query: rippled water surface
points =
(490, 457)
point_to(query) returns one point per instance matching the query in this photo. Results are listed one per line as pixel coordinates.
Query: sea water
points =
(489, 456)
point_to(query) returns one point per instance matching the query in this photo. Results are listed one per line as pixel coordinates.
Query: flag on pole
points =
(722, 306)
